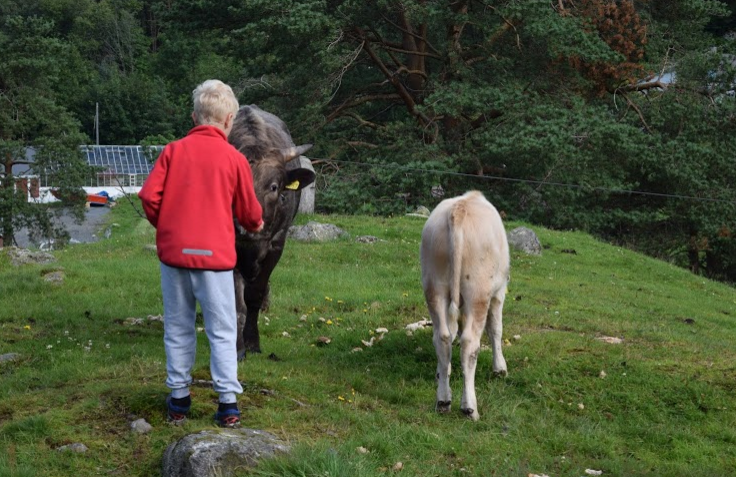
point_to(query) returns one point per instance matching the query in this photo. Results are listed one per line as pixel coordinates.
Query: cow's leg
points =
(249, 298)
(494, 328)
(241, 310)
(442, 339)
(469, 348)
(256, 293)
(251, 336)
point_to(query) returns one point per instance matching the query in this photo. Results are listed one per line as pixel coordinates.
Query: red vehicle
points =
(97, 200)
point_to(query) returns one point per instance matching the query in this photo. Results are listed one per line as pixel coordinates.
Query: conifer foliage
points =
(614, 117)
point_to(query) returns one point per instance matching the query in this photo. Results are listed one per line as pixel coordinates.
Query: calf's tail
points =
(457, 216)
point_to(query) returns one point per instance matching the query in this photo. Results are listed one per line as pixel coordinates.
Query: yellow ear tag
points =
(293, 186)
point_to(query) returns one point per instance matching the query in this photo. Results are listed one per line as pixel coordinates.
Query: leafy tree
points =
(31, 70)
(563, 112)
(550, 93)
(134, 100)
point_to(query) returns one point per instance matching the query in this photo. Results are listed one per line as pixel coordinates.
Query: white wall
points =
(46, 197)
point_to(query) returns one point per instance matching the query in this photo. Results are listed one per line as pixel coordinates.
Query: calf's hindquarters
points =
(465, 268)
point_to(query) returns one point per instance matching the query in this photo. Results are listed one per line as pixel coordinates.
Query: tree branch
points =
(350, 60)
(406, 31)
(352, 102)
(362, 121)
(401, 90)
(641, 87)
(638, 111)
(385, 46)
(362, 144)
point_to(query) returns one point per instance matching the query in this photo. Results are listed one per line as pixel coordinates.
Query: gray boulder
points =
(220, 453)
(141, 426)
(420, 212)
(525, 240)
(9, 357)
(23, 256)
(368, 239)
(77, 447)
(315, 232)
(55, 276)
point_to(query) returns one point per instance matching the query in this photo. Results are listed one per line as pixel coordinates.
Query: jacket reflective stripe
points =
(194, 251)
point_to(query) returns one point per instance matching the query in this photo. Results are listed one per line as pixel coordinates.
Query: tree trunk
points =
(6, 201)
(693, 254)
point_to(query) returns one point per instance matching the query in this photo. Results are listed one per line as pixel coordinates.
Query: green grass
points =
(666, 406)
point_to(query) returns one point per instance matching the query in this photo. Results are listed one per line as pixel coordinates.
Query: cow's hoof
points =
(443, 406)
(241, 355)
(471, 413)
(502, 373)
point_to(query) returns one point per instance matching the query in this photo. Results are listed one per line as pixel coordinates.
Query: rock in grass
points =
(77, 447)
(323, 341)
(220, 453)
(421, 211)
(610, 339)
(368, 239)
(141, 426)
(55, 276)
(525, 240)
(9, 357)
(22, 256)
(315, 232)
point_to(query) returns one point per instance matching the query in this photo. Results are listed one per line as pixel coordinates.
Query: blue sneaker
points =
(228, 416)
(177, 409)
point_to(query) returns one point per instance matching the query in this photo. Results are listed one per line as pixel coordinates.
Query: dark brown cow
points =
(278, 179)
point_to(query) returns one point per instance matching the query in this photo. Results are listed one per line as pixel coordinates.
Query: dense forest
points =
(613, 117)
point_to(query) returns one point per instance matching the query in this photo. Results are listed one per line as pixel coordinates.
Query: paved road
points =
(90, 230)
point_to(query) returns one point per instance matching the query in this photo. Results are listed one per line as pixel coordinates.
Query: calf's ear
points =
(297, 179)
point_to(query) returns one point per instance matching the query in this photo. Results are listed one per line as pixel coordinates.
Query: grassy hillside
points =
(661, 403)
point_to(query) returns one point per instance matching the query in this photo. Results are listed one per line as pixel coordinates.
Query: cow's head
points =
(277, 175)
(277, 183)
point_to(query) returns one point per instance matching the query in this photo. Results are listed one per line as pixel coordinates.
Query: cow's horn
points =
(295, 151)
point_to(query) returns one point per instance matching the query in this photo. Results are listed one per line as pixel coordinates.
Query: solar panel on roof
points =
(122, 159)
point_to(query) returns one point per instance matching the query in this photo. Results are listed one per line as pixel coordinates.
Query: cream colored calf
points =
(465, 269)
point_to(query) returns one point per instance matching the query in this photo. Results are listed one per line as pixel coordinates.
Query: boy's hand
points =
(243, 231)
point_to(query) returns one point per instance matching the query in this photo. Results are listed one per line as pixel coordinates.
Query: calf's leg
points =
(494, 328)
(469, 349)
(442, 339)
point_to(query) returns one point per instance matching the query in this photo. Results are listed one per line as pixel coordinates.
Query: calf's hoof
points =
(241, 355)
(501, 373)
(443, 406)
(470, 413)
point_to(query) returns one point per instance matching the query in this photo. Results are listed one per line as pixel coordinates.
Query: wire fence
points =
(475, 177)
(112, 179)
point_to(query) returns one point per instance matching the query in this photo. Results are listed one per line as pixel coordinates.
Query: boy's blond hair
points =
(213, 101)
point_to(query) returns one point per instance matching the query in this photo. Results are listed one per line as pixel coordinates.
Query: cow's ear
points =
(297, 179)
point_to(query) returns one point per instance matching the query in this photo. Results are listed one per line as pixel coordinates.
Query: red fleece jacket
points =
(195, 188)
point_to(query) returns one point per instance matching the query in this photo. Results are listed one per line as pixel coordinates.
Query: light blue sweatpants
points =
(214, 290)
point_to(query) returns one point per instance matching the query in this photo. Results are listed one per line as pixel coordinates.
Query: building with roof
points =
(119, 170)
